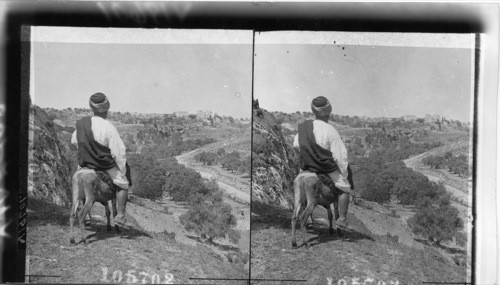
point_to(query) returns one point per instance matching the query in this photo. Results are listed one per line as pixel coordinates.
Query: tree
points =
(221, 151)
(181, 183)
(231, 161)
(200, 156)
(210, 220)
(148, 175)
(436, 222)
(378, 189)
(209, 216)
(448, 155)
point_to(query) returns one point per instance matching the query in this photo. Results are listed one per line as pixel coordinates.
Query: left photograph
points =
(139, 156)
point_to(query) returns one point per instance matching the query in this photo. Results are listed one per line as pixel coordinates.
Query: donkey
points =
(89, 187)
(310, 190)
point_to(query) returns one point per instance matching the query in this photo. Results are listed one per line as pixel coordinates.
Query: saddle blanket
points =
(101, 174)
(307, 173)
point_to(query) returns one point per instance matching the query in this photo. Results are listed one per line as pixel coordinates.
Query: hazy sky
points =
(181, 73)
(163, 71)
(387, 79)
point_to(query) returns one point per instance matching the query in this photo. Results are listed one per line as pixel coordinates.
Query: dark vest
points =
(312, 156)
(91, 154)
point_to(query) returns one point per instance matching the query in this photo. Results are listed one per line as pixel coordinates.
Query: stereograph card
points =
(209, 105)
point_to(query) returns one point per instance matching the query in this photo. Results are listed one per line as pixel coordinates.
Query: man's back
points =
(107, 135)
(328, 138)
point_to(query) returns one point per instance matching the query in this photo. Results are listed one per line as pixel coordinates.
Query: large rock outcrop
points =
(274, 163)
(49, 169)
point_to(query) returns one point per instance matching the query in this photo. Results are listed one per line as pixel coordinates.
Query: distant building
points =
(181, 114)
(410, 118)
(431, 118)
(203, 114)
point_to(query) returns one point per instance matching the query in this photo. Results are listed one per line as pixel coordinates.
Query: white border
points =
(139, 36)
(365, 38)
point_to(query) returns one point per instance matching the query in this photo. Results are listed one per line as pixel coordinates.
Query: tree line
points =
(232, 161)
(455, 164)
(384, 181)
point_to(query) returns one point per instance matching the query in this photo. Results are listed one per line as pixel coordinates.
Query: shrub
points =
(393, 238)
(209, 216)
(182, 182)
(210, 220)
(148, 176)
(208, 158)
(221, 151)
(437, 221)
(379, 190)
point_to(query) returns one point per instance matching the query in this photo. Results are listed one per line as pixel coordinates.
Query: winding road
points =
(463, 207)
(236, 188)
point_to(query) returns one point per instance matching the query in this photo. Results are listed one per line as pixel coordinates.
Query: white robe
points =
(106, 134)
(328, 137)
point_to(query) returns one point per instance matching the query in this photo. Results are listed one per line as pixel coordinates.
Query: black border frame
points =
(257, 16)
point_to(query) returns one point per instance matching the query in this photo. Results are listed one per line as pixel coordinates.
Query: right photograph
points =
(362, 150)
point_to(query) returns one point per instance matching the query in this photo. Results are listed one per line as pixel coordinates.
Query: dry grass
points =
(358, 254)
(50, 253)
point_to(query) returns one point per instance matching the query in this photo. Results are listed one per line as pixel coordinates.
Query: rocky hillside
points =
(274, 163)
(378, 248)
(49, 170)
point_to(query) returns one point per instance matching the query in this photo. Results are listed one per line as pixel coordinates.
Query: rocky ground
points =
(379, 247)
(376, 250)
(151, 249)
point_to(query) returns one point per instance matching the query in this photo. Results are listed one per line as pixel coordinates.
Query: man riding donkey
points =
(323, 152)
(101, 148)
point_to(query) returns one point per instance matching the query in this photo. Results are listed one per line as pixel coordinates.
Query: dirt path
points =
(237, 190)
(461, 197)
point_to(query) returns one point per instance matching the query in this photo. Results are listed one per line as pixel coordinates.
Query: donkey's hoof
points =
(339, 232)
(307, 245)
(294, 244)
(117, 229)
(72, 241)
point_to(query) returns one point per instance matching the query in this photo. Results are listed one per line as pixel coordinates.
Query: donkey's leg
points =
(330, 219)
(296, 209)
(115, 212)
(311, 224)
(85, 210)
(108, 216)
(89, 220)
(295, 215)
(72, 216)
(303, 217)
(74, 206)
(335, 206)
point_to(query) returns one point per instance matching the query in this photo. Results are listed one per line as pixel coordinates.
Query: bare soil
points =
(360, 253)
(143, 246)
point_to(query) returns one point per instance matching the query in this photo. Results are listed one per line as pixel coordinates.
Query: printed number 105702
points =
(132, 276)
